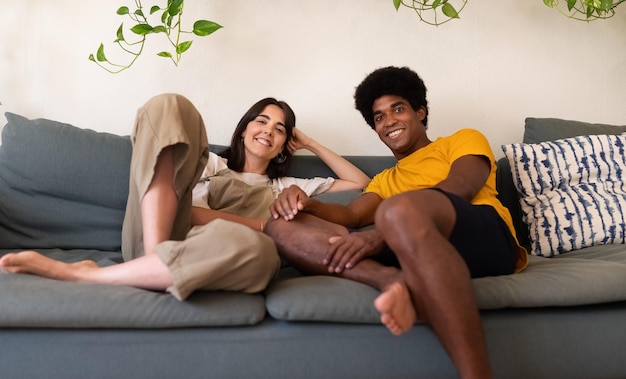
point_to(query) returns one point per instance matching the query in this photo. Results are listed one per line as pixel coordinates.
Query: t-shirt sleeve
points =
(470, 142)
(374, 184)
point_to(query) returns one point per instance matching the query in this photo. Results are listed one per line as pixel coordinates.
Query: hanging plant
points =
(437, 12)
(585, 10)
(164, 21)
(434, 12)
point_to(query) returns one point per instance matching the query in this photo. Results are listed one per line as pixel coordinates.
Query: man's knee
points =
(396, 208)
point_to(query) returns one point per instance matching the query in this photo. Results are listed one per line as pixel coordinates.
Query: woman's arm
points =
(202, 216)
(350, 176)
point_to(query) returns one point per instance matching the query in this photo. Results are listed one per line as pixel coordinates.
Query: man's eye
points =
(399, 109)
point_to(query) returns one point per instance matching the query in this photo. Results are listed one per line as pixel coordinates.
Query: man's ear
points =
(421, 113)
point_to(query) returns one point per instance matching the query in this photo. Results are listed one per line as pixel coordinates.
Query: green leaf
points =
(165, 54)
(175, 7)
(397, 3)
(204, 28)
(120, 33)
(571, 4)
(159, 29)
(154, 9)
(141, 29)
(551, 3)
(139, 13)
(100, 54)
(123, 10)
(183, 46)
(436, 3)
(91, 58)
(449, 10)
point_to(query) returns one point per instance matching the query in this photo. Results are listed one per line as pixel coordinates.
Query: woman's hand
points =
(298, 141)
(289, 202)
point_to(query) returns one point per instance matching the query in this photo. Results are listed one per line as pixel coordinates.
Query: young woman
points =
(194, 220)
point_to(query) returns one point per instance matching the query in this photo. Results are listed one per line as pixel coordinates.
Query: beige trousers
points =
(221, 255)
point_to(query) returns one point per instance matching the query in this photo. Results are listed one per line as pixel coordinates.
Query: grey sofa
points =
(63, 192)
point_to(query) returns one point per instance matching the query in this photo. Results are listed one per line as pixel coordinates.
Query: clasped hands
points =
(344, 251)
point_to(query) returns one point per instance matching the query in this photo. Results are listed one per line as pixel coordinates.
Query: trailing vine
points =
(437, 12)
(434, 12)
(586, 10)
(157, 21)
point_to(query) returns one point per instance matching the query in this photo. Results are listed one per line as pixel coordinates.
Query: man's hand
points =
(344, 252)
(290, 201)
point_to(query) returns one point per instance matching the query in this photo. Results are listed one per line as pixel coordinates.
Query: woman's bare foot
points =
(396, 309)
(31, 262)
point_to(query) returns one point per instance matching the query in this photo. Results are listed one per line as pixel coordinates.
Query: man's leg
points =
(416, 226)
(304, 241)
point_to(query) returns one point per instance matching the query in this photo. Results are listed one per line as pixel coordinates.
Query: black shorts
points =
(480, 236)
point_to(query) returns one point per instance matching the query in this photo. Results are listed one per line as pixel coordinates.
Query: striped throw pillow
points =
(573, 193)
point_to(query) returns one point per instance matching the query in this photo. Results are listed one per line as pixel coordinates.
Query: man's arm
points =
(358, 213)
(468, 174)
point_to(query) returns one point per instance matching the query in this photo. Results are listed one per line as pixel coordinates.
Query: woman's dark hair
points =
(235, 153)
(398, 81)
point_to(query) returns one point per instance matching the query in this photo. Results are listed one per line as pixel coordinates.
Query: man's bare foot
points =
(396, 309)
(31, 262)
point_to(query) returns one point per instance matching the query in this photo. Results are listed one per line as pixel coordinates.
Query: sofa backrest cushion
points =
(549, 129)
(61, 186)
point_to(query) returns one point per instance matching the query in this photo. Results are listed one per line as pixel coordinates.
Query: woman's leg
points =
(170, 149)
(147, 272)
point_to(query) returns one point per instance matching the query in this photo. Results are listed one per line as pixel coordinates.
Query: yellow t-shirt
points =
(428, 166)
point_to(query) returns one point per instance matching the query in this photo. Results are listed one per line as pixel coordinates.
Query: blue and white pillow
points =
(573, 193)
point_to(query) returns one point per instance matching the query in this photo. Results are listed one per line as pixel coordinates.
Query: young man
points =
(436, 211)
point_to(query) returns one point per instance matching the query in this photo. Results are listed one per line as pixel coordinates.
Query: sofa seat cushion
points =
(32, 301)
(588, 276)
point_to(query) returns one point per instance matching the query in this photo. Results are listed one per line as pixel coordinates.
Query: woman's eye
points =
(280, 130)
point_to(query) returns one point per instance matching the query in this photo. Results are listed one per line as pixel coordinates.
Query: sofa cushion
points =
(549, 129)
(67, 186)
(33, 301)
(572, 191)
(592, 275)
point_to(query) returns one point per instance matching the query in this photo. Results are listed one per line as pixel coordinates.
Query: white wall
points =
(502, 61)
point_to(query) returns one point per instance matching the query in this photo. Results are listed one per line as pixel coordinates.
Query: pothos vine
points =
(437, 12)
(164, 21)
